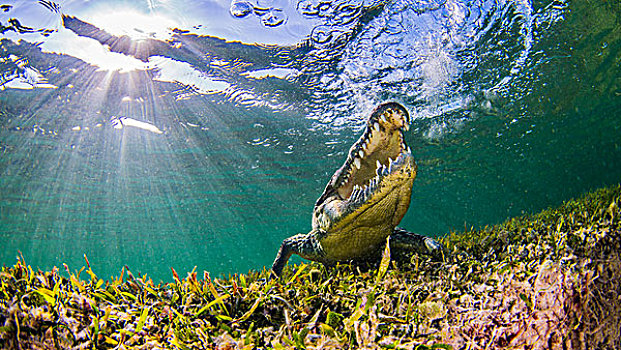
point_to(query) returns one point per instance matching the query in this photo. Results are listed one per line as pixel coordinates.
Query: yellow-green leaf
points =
(76, 283)
(381, 272)
(129, 295)
(48, 295)
(142, 319)
(297, 273)
(224, 317)
(99, 284)
(251, 311)
(329, 331)
(111, 341)
(212, 303)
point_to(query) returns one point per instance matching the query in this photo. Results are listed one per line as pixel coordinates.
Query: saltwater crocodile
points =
(365, 199)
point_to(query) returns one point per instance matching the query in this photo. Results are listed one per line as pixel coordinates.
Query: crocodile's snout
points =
(380, 148)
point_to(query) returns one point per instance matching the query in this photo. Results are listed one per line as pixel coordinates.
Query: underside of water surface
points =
(165, 134)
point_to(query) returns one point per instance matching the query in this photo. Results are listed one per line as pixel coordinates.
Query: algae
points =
(545, 281)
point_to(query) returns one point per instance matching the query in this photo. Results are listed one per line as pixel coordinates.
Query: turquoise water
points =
(182, 134)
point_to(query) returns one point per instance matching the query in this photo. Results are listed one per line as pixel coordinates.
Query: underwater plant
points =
(544, 281)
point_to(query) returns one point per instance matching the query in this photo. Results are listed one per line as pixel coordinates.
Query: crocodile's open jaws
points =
(370, 157)
(379, 163)
(365, 199)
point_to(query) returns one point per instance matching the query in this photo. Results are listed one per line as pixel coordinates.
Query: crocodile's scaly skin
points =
(365, 199)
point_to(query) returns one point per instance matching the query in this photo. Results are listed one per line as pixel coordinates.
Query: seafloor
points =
(546, 281)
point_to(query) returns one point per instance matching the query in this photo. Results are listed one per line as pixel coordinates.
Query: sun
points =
(134, 24)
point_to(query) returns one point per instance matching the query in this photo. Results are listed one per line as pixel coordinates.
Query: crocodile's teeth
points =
(361, 154)
(384, 119)
(373, 182)
(385, 170)
(346, 179)
(374, 140)
(392, 163)
(357, 163)
(376, 126)
(409, 150)
(354, 191)
(355, 194)
(378, 164)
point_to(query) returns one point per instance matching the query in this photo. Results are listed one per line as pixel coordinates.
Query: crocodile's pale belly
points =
(356, 244)
(365, 235)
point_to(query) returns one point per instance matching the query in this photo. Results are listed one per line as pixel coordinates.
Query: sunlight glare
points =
(136, 25)
(90, 51)
(169, 70)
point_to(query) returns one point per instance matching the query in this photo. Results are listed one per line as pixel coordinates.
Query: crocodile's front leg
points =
(403, 240)
(304, 245)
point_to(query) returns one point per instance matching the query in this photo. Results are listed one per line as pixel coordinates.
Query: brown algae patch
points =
(546, 281)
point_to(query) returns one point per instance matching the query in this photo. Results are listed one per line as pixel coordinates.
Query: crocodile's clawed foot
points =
(402, 241)
(435, 249)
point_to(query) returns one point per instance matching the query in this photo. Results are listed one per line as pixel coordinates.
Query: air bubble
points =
(241, 8)
(308, 8)
(273, 18)
(321, 34)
